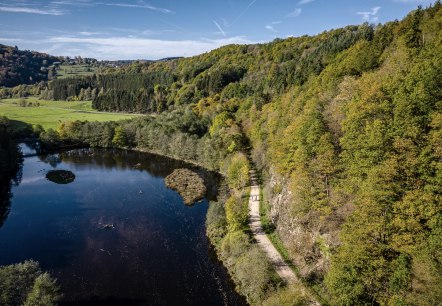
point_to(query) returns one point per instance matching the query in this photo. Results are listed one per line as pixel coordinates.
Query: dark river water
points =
(156, 254)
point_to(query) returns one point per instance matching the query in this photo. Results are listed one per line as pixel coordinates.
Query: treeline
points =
(10, 155)
(179, 134)
(23, 67)
(257, 71)
(10, 166)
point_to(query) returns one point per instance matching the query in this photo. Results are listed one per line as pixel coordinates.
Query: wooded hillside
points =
(23, 67)
(346, 127)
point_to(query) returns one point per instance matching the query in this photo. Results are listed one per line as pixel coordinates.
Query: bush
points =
(254, 275)
(216, 223)
(290, 296)
(238, 171)
(50, 137)
(233, 246)
(237, 212)
(45, 292)
(25, 284)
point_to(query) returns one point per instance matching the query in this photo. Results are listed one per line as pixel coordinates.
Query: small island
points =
(188, 184)
(60, 176)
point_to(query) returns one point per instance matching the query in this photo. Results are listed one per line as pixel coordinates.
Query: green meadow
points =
(50, 113)
(67, 71)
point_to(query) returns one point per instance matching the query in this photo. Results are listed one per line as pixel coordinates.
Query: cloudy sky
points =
(153, 29)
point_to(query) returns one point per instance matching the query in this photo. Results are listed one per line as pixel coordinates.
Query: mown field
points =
(67, 71)
(50, 113)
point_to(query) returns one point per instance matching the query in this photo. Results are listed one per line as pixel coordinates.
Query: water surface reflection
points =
(155, 252)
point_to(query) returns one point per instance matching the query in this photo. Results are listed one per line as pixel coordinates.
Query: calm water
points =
(157, 254)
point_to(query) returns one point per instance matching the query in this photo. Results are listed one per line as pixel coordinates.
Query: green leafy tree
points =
(26, 284)
(119, 139)
(238, 171)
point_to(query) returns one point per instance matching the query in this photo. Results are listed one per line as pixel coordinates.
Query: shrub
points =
(25, 284)
(216, 223)
(238, 171)
(254, 275)
(236, 213)
(290, 296)
(233, 246)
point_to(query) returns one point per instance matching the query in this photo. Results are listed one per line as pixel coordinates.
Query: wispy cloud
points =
(142, 5)
(295, 13)
(74, 3)
(88, 33)
(302, 2)
(219, 28)
(413, 1)
(271, 26)
(244, 11)
(31, 10)
(7, 40)
(62, 7)
(370, 16)
(138, 48)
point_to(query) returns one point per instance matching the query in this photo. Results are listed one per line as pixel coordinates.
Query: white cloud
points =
(139, 48)
(87, 33)
(271, 26)
(10, 40)
(74, 3)
(30, 10)
(302, 2)
(370, 16)
(55, 5)
(295, 13)
(142, 5)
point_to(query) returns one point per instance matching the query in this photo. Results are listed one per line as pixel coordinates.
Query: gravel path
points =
(283, 270)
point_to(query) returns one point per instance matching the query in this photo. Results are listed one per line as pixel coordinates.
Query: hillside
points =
(346, 130)
(23, 67)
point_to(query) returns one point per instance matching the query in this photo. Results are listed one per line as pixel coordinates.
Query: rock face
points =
(309, 237)
(188, 184)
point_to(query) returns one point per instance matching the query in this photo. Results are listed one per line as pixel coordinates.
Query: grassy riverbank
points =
(49, 114)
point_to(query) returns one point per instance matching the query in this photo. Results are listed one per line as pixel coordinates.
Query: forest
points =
(23, 67)
(345, 128)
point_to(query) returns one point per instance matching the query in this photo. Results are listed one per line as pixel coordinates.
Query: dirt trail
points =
(283, 270)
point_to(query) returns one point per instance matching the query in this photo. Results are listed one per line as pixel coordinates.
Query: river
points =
(115, 235)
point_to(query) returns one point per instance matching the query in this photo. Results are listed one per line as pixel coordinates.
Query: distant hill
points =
(29, 67)
(24, 67)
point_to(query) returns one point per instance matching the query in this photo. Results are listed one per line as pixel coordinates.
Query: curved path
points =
(283, 270)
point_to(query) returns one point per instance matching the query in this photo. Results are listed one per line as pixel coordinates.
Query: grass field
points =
(50, 113)
(67, 71)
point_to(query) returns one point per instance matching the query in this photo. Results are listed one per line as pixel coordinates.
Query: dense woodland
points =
(23, 67)
(346, 129)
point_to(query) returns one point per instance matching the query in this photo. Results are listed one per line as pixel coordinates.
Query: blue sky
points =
(153, 29)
